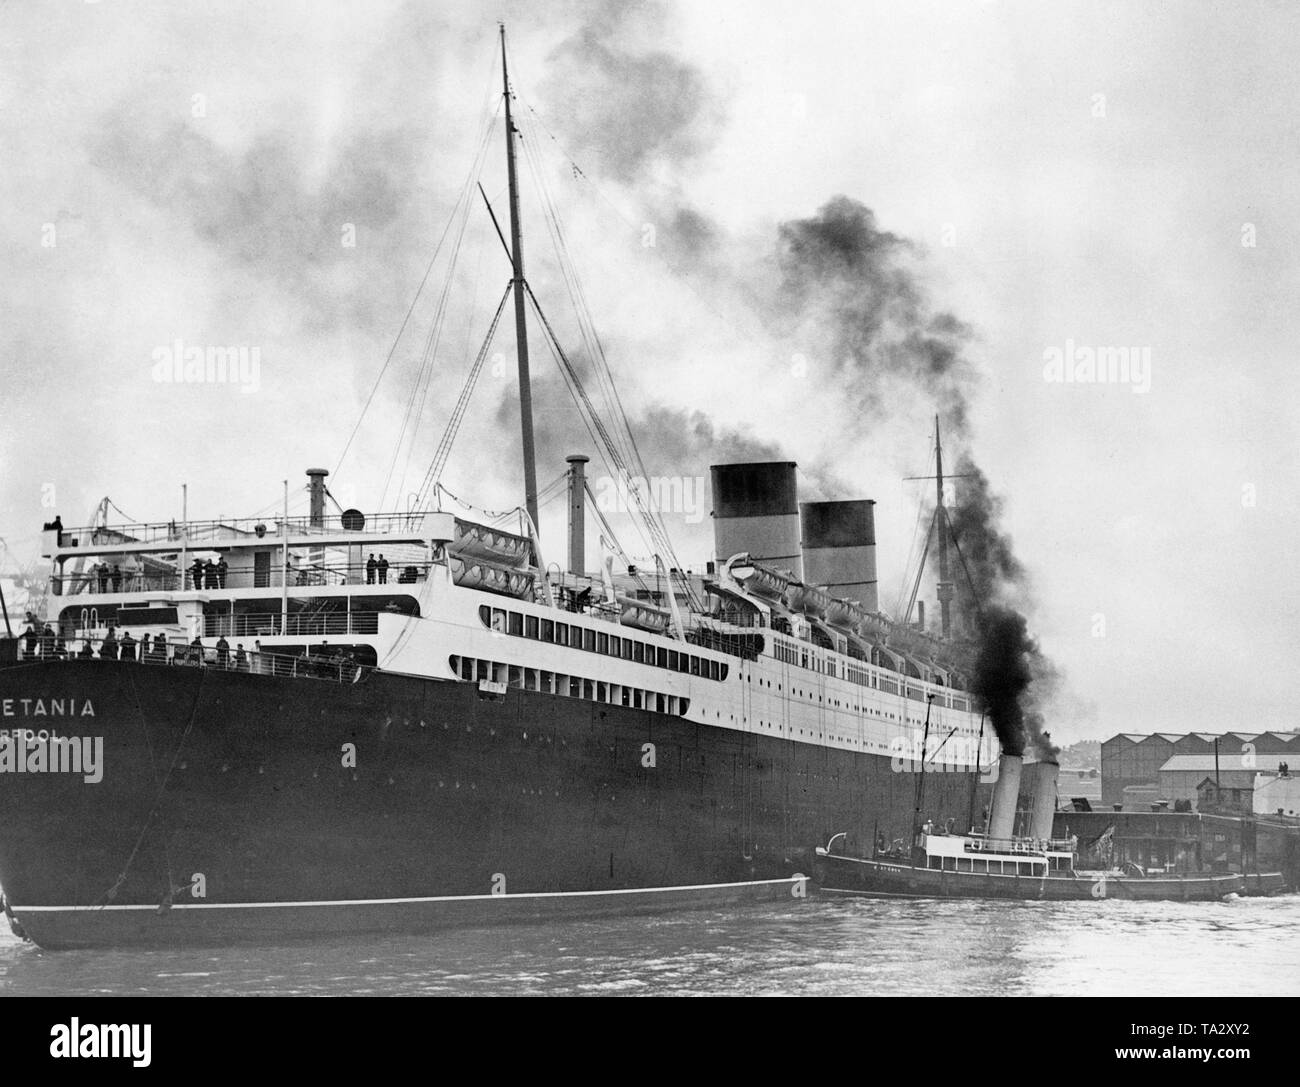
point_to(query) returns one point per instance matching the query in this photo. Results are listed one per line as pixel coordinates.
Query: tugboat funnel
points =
(1002, 817)
(1044, 811)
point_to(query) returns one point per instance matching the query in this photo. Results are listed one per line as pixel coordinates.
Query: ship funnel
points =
(1044, 810)
(839, 549)
(756, 509)
(1006, 794)
(577, 513)
(316, 487)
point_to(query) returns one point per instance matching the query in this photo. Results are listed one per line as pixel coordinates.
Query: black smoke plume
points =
(1011, 676)
(857, 284)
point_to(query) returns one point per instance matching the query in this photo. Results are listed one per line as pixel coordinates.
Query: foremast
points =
(519, 286)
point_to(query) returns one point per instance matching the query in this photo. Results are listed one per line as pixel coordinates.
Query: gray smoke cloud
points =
(851, 287)
(664, 434)
(621, 101)
(255, 204)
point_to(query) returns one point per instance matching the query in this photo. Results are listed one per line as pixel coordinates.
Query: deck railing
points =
(240, 576)
(337, 668)
(235, 528)
(266, 624)
(981, 844)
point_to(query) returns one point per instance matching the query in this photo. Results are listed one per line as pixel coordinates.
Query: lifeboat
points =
(873, 626)
(760, 581)
(806, 599)
(642, 614)
(481, 542)
(479, 574)
(842, 615)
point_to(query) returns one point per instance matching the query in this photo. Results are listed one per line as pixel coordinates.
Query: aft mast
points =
(937, 534)
(519, 286)
(945, 588)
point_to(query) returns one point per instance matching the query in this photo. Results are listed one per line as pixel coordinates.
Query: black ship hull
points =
(251, 808)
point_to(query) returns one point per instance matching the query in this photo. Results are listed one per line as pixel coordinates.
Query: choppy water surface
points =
(1237, 947)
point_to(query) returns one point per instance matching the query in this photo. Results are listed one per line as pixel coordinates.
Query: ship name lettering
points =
(42, 707)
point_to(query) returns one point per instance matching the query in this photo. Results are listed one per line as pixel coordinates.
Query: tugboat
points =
(996, 863)
(976, 866)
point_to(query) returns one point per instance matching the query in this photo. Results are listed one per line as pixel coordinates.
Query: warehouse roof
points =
(1205, 763)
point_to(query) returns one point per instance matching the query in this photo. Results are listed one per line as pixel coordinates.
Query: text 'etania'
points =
(47, 707)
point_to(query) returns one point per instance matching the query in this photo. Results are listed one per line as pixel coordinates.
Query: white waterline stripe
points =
(408, 901)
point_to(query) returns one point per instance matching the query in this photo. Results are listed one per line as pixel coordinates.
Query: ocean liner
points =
(247, 730)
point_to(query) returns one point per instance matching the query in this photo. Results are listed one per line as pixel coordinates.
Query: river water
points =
(1238, 947)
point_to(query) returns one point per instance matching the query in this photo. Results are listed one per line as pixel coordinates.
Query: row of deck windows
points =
(599, 641)
(798, 655)
(987, 865)
(604, 643)
(473, 669)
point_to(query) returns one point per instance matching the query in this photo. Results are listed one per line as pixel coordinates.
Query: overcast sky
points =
(1054, 177)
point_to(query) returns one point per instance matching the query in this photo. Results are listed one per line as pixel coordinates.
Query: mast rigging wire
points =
(457, 417)
(432, 341)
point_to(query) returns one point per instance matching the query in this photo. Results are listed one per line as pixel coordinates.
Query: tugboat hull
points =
(856, 877)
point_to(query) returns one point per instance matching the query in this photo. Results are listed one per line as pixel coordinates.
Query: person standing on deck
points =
(197, 571)
(382, 567)
(127, 650)
(223, 652)
(223, 568)
(371, 565)
(108, 650)
(241, 658)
